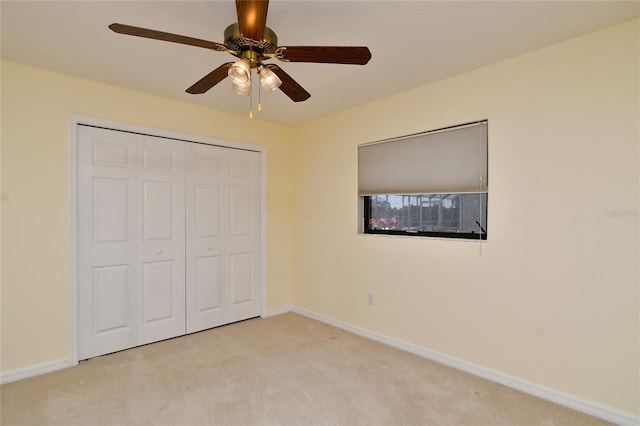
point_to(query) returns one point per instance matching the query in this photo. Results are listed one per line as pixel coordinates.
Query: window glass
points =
(444, 215)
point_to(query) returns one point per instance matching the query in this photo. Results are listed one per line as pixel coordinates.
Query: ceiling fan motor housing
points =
(253, 50)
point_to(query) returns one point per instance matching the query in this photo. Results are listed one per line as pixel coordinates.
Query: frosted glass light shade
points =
(269, 80)
(240, 72)
(242, 89)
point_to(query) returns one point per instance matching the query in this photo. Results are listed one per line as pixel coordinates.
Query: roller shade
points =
(452, 160)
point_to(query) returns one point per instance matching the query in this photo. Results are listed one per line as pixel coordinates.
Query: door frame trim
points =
(72, 207)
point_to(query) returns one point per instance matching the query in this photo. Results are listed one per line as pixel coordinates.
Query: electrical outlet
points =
(370, 299)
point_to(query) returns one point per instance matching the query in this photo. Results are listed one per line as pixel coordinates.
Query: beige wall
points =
(553, 298)
(35, 113)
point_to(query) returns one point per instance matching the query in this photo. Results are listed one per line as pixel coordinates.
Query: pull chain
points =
(251, 84)
(250, 94)
(259, 98)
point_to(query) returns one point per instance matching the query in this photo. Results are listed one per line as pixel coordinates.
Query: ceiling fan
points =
(253, 42)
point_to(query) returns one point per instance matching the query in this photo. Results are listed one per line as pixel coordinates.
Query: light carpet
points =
(283, 370)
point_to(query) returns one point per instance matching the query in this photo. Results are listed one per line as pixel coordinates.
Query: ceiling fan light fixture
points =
(242, 89)
(240, 72)
(269, 80)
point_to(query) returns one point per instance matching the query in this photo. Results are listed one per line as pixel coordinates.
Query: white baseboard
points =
(36, 370)
(585, 406)
(278, 311)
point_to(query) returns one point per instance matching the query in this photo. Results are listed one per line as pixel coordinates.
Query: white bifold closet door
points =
(168, 238)
(223, 239)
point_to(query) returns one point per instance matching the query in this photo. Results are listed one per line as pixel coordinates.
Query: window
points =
(435, 215)
(432, 184)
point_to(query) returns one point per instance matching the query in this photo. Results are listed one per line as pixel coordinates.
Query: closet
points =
(168, 238)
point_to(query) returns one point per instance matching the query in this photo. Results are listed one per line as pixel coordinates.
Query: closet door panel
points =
(243, 234)
(207, 200)
(209, 294)
(240, 279)
(240, 211)
(158, 210)
(110, 207)
(111, 288)
(206, 224)
(161, 170)
(107, 257)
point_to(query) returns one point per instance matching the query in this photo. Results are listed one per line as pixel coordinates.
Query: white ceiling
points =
(412, 43)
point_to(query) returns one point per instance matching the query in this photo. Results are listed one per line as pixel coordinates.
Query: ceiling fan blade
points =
(252, 18)
(289, 86)
(210, 80)
(324, 54)
(160, 35)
